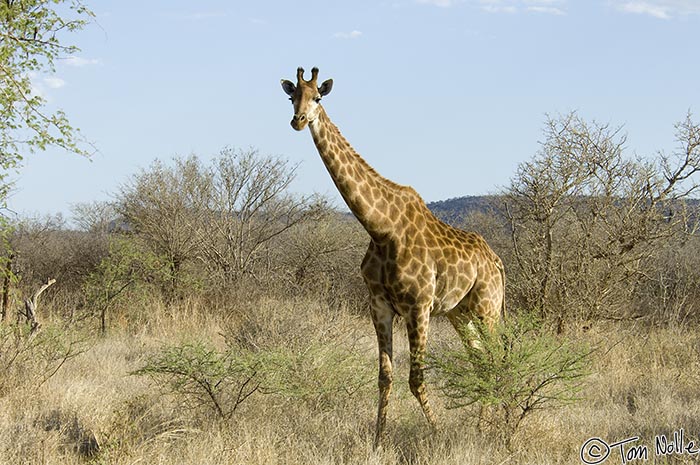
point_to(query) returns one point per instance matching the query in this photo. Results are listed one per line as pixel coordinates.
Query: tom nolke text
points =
(596, 450)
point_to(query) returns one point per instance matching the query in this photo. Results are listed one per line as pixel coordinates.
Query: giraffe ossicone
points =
(416, 266)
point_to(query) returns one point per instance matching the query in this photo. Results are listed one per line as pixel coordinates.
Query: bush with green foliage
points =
(29, 359)
(127, 268)
(321, 375)
(202, 378)
(519, 369)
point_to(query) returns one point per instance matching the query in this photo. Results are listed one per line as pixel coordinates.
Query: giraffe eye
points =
(317, 100)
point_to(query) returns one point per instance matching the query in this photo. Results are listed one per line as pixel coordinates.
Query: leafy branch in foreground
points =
(28, 359)
(201, 377)
(206, 380)
(31, 40)
(519, 369)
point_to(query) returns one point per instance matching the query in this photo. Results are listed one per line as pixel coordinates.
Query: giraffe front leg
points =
(383, 318)
(417, 338)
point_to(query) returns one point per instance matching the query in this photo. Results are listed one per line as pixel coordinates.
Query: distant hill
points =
(453, 210)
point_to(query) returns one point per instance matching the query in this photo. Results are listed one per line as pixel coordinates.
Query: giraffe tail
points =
(504, 335)
(502, 269)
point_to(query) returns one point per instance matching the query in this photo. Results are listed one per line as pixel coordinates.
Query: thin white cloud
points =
(509, 9)
(41, 85)
(204, 15)
(348, 35)
(79, 62)
(440, 3)
(644, 8)
(661, 9)
(552, 7)
(53, 82)
(550, 10)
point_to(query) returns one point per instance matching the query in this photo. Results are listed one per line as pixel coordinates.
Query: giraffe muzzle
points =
(299, 122)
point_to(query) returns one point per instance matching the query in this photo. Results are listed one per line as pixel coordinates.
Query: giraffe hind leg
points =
(417, 337)
(383, 317)
(483, 303)
(463, 323)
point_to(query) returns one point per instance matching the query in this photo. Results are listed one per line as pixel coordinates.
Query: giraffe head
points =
(305, 97)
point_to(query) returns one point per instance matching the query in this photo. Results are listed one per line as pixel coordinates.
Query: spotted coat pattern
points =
(416, 266)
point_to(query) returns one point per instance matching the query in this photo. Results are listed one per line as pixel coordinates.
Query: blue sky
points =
(448, 96)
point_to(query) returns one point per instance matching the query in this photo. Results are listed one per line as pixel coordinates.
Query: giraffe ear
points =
(288, 87)
(326, 87)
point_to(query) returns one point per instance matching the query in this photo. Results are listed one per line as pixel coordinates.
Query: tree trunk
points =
(7, 283)
(546, 279)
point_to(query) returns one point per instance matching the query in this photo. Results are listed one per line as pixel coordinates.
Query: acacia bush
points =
(204, 379)
(313, 353)
(519, 369)
(296, 358)
(28, 360)
(323, 375)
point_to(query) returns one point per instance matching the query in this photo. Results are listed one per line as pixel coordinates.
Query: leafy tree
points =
(31, 40)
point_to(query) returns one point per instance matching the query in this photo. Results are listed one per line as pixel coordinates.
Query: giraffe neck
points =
(368, 195)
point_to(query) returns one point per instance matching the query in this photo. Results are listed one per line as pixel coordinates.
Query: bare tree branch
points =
(31, 304)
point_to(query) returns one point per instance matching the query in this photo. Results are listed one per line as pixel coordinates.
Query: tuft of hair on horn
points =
(300, 74)
(314, 74)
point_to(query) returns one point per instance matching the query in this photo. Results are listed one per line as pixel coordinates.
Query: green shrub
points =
(321, 375)
(202, 378)
(30, 359)
(122, 276)
(519, 369)
(318, 373)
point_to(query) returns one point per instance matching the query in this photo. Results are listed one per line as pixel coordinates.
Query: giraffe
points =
(416, 266)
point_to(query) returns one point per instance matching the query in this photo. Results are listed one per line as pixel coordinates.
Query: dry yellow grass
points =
(645, 382)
